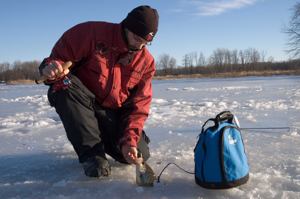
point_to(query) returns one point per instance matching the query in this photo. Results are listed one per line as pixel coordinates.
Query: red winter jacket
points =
(95, 48)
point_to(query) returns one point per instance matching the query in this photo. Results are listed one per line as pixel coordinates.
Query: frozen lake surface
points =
(37, 161)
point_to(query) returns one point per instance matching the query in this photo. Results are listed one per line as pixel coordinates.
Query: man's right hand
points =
(54, 70)
(131, 154)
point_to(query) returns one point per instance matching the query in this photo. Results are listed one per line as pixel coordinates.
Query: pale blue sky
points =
(30, 28)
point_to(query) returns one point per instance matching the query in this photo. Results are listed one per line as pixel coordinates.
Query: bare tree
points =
(247, 56)
(217, 58)
(4, 67)
(193, 58)
(201, 60)
(185, 61)
(254, 55)
(242, 57)
(271, 59)
(263, 55)
(172, 63)
(188, 60)
(166, 63)
(293, 32)
(227, 57)
(163, 61)
(234, 57)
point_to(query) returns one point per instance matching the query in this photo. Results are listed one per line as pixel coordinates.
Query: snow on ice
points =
(37, 161)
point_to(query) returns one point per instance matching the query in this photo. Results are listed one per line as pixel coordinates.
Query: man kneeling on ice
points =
(104, 99)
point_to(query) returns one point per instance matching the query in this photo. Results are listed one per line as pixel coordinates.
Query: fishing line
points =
(245, 128)
(267, 128)
(158, 178)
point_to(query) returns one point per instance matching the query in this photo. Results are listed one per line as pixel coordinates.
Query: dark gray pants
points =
(91, 129)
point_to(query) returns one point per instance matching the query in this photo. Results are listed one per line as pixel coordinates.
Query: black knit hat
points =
(142, 21)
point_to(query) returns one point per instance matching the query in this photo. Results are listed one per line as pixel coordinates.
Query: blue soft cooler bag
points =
(220, 158)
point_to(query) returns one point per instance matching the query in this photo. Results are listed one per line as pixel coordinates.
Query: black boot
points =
(96, 167)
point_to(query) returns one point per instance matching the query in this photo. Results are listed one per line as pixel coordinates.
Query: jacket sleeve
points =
(74, 45)
(136, 109)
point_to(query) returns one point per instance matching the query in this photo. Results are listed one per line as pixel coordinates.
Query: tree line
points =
(222, 60)
(19, 71)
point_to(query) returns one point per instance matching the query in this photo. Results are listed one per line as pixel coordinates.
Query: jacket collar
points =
(119, 42)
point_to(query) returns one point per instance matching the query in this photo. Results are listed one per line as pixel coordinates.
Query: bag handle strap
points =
(221, 117)
(224, 116)
(211, 119)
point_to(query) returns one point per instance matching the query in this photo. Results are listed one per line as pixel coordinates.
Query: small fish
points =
(145, 176)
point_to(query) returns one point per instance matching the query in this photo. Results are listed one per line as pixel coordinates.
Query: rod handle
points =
(65, 66)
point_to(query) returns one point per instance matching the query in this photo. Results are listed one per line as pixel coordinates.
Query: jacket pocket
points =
(98, 64)
(132, 78)
(97, 70)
